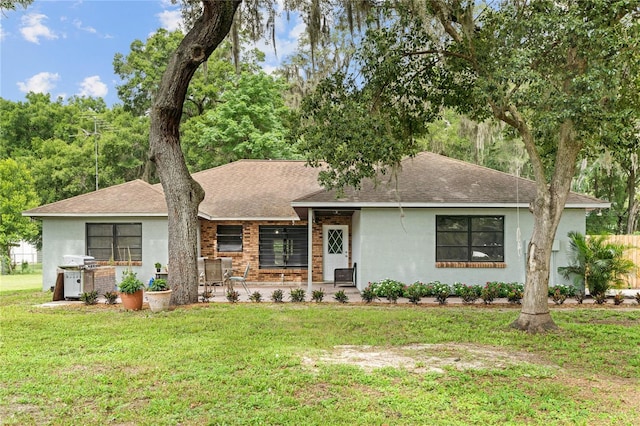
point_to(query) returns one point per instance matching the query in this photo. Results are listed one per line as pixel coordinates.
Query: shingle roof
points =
(256, 188)
(265, 189)
(432, 179)
(135, 198)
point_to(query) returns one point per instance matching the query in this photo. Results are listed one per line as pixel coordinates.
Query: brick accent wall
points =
(101, 279)
(250, 249)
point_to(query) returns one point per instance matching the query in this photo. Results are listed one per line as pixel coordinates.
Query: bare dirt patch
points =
(422, 358)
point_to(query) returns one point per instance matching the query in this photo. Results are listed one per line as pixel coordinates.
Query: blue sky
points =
(66, 48)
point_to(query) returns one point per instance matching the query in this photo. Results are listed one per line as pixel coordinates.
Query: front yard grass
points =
(313, 364)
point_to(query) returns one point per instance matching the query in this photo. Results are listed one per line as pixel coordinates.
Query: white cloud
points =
(171, 20)
(78, 25)
(92, 86)
(40, 83)
(33, 29)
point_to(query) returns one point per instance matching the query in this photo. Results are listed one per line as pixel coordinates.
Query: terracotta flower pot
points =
(159, 300)
(132, 301)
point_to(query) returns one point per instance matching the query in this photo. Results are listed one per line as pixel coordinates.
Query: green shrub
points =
(297, 295)
(341, 297)
(317, 295)
(277, 296)
(558, 297)
(256, 297)
(413, 294)
(89, 298)
(600, 298)
(579, 296)
(618, 299)
(233, 296)
(206, 295)
(388, 287)
(110, 297)
(368, 294)
(596, 263)
(441, 292)
(515, 294)
(567, 290)
(490, 292)
(468, 293)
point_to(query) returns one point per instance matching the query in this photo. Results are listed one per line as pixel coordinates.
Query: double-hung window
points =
(229, 238)
(114, 241)
(283, 247)
(469, 238)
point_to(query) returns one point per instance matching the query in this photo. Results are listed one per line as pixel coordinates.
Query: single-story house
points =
(437, 218)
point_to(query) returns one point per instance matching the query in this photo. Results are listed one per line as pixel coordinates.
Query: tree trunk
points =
(547, 212)
(183, 195)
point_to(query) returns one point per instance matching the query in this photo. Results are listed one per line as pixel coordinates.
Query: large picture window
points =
(283, 247)
(469, 238)
(229, 238)
(115, 241)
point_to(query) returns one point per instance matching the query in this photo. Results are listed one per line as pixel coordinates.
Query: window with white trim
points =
(114, 241)
(469, 238)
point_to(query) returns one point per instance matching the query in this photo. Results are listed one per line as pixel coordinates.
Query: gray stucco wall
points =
(63, 236)
(401, 245)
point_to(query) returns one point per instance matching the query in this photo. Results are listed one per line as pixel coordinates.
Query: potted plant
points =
(158, 295)
(158, 266)
(131, 291)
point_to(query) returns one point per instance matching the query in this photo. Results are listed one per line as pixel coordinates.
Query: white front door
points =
(335, 242)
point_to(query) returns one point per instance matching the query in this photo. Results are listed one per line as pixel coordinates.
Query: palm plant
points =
(596, 263)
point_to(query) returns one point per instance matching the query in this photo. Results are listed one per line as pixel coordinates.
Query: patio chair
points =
(241, 279)
(213, 273)
(346, 276)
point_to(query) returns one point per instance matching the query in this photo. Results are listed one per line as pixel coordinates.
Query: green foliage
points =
(130, 282)
(249, 121)
(558, 297)
(579, 296)
(566, 290)
(89, 298)
(16, 195)
(158, 284)
(368, 295)
(232, 296)
(600, 298)
(206, 296)
(277, 296)
(413, 293)
(341, 297)
(596, 263)
(388, 288)
(297, 295)
(317, 295)
(468, 293)
(111, 297)
(618, 298)
(255, 297)
(441, 292)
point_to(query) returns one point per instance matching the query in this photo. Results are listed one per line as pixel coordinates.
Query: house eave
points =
(433, 205)
(96, 215)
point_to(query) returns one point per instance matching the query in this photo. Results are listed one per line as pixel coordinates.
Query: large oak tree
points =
(552, 71)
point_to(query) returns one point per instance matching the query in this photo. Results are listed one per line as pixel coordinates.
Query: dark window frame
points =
(230, 239)
(283, 247)
(492, 250)
(115, 251)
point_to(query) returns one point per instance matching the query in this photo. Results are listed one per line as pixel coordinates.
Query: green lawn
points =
(286, 364)
(27, 281)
